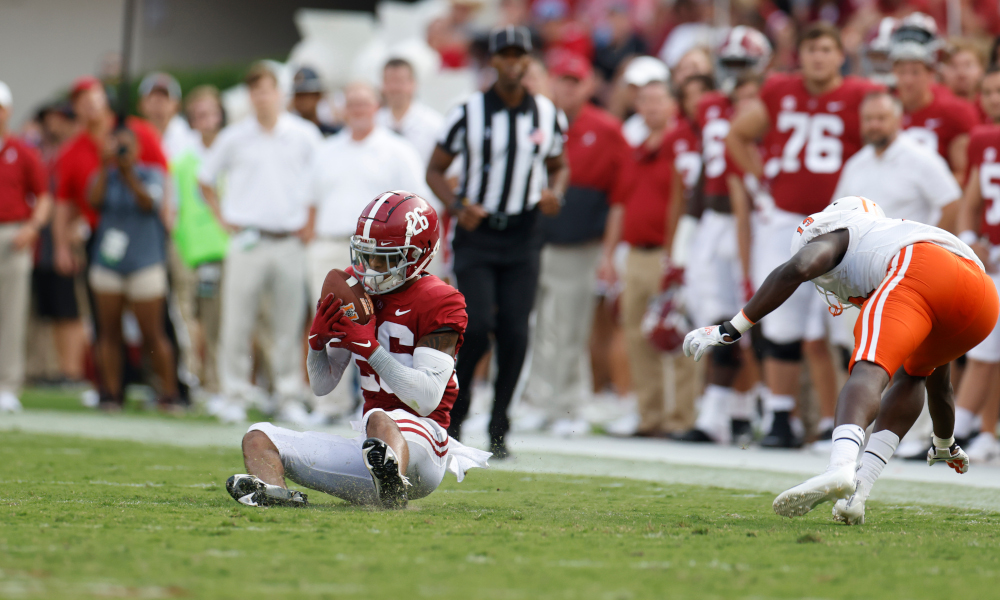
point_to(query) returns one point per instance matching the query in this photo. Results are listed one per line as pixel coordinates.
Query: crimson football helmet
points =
(396, 238)
(743, 49)
(664, 324)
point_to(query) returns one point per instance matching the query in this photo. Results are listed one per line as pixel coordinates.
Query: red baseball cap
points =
(82, 84)
(569, 64)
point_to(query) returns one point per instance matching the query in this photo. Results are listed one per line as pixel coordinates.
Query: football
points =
(357, 304)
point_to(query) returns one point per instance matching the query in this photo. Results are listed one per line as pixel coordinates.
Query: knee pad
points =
(790, 352)
(727, 356)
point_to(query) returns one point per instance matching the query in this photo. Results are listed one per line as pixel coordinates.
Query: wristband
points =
(943, 444)
(741, 322)
(969, 237)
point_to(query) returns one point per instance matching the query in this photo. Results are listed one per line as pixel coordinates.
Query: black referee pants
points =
(499, 285)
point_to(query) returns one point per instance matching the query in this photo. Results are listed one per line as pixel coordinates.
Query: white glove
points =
(954, 457)
(698, 342)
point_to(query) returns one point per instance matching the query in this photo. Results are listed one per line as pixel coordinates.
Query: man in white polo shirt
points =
(265, 162)
(417, 122)
(906, 179)
(348, 171)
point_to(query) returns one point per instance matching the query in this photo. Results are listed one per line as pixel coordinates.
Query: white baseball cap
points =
(643, 70)
(6, 99)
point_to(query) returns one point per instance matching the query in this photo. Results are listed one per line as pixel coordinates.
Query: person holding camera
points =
(128, 264)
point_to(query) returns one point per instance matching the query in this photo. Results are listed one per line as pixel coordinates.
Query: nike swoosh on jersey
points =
(365, 345)
(400, 313)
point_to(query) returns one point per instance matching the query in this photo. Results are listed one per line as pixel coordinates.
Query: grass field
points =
(86, 518)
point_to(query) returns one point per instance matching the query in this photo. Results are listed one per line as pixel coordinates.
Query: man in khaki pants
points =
(25, 206)
(644, 218)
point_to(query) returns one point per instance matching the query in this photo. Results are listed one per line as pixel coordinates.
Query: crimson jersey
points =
(681, 144)
(809, 139)
(403, 318)
(984, 153)
(715, 110)
(941, 121)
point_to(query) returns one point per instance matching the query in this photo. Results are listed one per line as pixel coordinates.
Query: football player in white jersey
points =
(925, 299)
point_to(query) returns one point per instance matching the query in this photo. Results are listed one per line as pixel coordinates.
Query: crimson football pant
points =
(499, 289)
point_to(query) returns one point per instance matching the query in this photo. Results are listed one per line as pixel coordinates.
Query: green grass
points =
(84, 518)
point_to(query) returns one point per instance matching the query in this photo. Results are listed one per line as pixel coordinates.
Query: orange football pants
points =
(932, 307)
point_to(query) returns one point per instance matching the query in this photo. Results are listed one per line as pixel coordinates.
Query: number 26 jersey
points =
(809, 139)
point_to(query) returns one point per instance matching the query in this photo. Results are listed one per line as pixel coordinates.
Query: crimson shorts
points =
(932, 307)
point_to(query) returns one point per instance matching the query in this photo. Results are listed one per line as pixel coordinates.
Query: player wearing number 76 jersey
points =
(809, 124)
(925, 300)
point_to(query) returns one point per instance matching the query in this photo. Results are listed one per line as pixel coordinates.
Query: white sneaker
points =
(850, 511)
(9, 403)
(983, 448)
(910, 448)
(801, 499)
(215, 405)
(570, 427)
(294, 413)
(232, 413)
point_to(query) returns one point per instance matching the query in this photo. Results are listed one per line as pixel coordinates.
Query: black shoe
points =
(692, 435)
(251, 491)
(499, 449)
(825, 436)
(390, 484)
(781, 435)
(742, 432)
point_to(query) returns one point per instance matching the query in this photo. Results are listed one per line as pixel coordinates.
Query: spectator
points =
(160, 104)
(403, 114)
(696, 61)
(559, 31)
(615, 41)
(348, 171)
(82, 157)
(979, 226)
(451, 35)
(55, 293)
(691, 30)
(910, 181)
(641, 218)
(75, 169)
(128, 265)
(200, 240)
(265, 162)
(509, 141)
(536, 80)
(932, 115)
(963, 71)
(640, 72)
(25, 206)
(559, 382)
(308, 95)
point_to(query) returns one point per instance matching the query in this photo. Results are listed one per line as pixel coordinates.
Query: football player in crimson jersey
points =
(406, 356)
(932, 115)
(809, 125)
(979, 392)
(720, 286)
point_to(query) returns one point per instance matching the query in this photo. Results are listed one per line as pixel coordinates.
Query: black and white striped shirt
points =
(504, 173)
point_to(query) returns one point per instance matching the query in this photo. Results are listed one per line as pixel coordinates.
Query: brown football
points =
(357, 304)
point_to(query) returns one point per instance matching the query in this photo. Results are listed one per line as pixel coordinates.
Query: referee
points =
(511, 144)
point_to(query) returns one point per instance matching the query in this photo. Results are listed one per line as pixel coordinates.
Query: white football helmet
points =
(743, 49)
(875, 61)
(859, 203)
(916, 38)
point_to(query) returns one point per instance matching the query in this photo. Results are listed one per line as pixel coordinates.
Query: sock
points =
(943, 443)
(743, 406)
(713, 418)
(847, 443)
(881, 446)
(825, 424)
(779, 403)
(964, 422)
(798, 427)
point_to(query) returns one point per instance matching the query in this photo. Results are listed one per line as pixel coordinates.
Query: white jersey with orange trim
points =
(874, 243)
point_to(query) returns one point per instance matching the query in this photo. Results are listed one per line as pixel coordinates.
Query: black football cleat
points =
(693, 435)
(390, 484)
(781, 435)
(251, 491)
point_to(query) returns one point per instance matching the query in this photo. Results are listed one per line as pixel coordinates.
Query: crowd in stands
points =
(186, 252)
